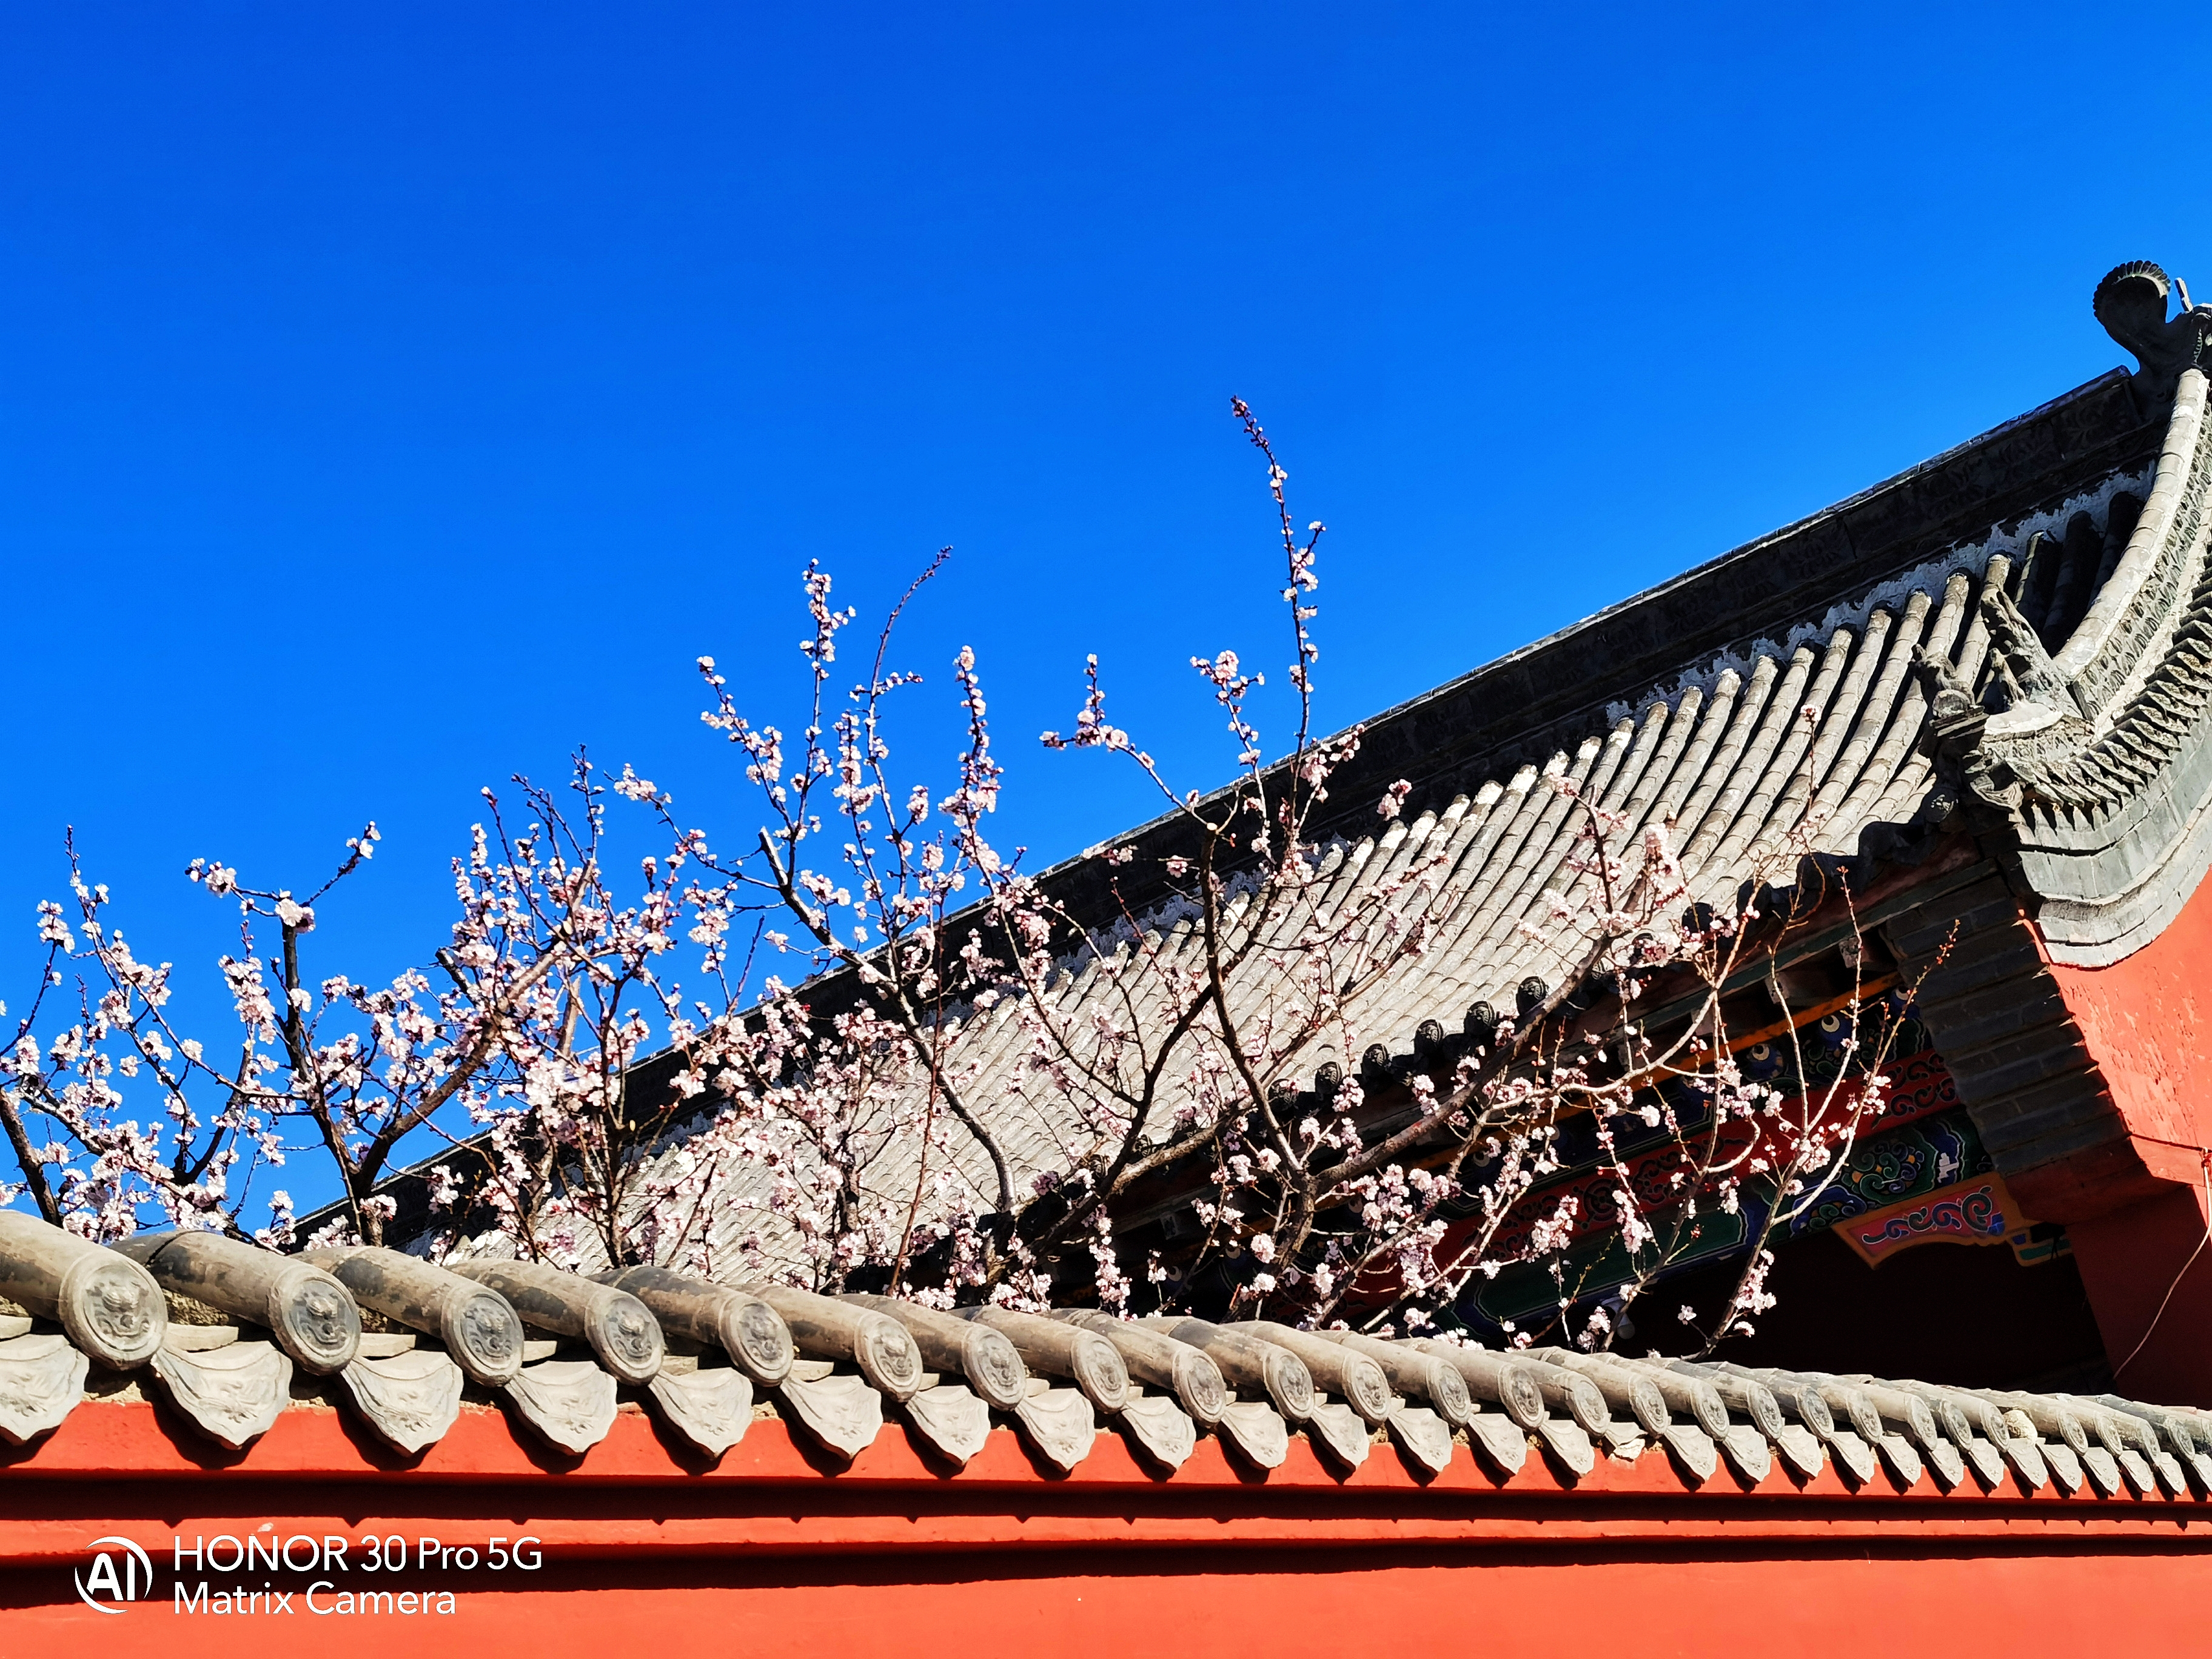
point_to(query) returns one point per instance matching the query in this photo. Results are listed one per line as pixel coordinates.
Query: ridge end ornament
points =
(2132, 304)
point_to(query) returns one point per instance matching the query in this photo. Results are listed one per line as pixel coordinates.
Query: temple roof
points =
(1808, 738)
(1768, 707)
(2006, 650)
(1990, 492)
(1772, 705)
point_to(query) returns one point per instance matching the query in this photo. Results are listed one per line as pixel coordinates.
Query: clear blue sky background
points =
(394, 398)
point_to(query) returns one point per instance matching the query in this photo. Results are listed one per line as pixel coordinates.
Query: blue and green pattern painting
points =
(1904, 1163)
(1900, 1163)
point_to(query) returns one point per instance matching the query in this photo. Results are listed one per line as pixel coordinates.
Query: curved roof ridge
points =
(1968, 558)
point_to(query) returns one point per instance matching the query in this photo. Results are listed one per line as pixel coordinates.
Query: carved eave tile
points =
(2171, 1475)
(232, 1393)
(41, 1380)
(2199, 1465)
(1256, 1432)
(1424, 1439)
(1501, 1441)
(569, 1402)
(1747, 1452)
(1902, 1459)
(2103, 1470)
(2065, 1465)
(2191, 1447)
(410, 1397)
(839, 1410)
(2159, 1479)
(111, 1308)
(1944, 1460)
(1623, 1439)
(1567, 1445)
(1801, 1449)
(2029, 1466)
(952, 1419)
(2136, 1473)
(1340, 1431)
(1857, 1461)
(232, 1390)
(1160, 1429)
(1059, 1425)
(1983, 1459)
(1692, 1449)
(711, 1405)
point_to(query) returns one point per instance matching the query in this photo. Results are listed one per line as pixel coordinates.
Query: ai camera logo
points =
(121, 1573)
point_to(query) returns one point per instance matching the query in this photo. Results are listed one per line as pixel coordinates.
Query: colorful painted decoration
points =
(1895, 1166)
(1979, 1211)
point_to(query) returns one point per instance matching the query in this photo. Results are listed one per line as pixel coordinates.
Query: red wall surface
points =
(2148, 1023)
(765, 1553)
(1231, 1604)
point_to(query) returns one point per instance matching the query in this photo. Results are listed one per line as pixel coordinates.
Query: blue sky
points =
(391, 398)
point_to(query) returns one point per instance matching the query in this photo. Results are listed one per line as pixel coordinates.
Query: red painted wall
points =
(1231, 1605)
(765, 1555)
(2148, 1023)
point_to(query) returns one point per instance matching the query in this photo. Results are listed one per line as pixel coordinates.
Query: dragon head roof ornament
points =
(2131, 303)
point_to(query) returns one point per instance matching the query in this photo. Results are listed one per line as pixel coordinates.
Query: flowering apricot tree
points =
(970, 1077)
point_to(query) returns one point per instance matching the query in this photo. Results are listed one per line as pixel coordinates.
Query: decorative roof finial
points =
(2131, 302)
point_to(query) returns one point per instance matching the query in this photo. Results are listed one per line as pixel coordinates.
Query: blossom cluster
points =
(903, 1060)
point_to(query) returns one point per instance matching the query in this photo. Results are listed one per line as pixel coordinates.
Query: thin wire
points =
(2207, 1172)
(2161, 1140)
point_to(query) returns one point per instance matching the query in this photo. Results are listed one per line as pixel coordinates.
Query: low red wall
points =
(1231, 1605)
(645, 1551)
